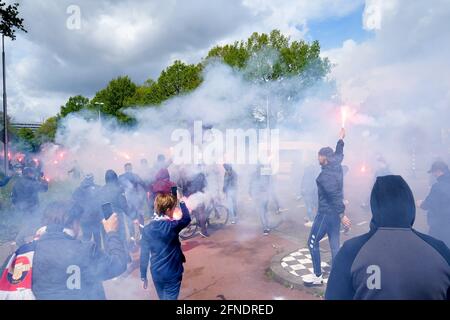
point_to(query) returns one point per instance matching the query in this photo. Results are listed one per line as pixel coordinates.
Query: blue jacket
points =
(55, 254)
(391, 261)
(160, 240)
(25, 192)
(330, 184)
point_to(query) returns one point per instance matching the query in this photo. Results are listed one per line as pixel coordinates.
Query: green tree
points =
(74, 104)
(47, 132)
(179, 78)
(10, 20)
(273, 56)
(26, 140)
(147, 94)
(113, 98)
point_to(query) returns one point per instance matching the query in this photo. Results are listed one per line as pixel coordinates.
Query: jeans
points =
(232, 203)
(200, 215)
(324, 225)
(263, 209)
(168, 290)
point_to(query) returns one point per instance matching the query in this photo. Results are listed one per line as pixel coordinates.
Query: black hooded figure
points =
(113, 193)
(86, 196)
(392, 260)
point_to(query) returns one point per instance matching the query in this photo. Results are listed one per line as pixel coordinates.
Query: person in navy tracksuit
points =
(161, 244)
(392, 260)
(331, 208)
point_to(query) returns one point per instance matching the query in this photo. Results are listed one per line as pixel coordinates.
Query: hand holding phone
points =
(174, 190)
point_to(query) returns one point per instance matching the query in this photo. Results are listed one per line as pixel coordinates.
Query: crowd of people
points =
(72, 246)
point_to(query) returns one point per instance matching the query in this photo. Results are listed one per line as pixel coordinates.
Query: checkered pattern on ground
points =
(299, 263)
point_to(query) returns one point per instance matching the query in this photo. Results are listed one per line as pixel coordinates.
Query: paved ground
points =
(232, 264)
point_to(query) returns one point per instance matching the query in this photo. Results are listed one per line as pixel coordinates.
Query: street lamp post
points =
(5, 116)
(100, 104)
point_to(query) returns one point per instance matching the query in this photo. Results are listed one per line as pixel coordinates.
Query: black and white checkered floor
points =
(299, 263)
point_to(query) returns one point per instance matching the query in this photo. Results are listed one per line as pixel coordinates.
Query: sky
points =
(377, 47)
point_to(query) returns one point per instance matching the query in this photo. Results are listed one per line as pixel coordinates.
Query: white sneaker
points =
(312, 280)
(308, 224)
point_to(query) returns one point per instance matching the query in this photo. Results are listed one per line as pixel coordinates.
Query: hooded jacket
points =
(330, 183)
(59, 258)
(113, 192)
(25, 192)
(86, 196)
(391, 261)
(162, 182)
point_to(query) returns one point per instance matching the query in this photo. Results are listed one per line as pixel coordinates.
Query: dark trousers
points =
(168, 290)
(231, 197)
(92, 230)
(263, 208)
(324, 224)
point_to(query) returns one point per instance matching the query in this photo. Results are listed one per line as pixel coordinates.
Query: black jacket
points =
(113, 192)
(86, 196)
(330, 184)
(25, 192)
(410, 265)
(58, 254)
(161, 242)
(196, 184)
(437, 203)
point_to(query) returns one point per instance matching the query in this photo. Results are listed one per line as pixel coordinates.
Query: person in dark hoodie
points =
(230, 180)
(161, 184)
(437, 203)
(65, 268)
(86, 196)
(135, 193)
(330, 212)
(112, 192)
(161, 242)
(194, 186)
(25, 199)
(391, 261)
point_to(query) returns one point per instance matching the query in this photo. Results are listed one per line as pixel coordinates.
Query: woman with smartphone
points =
(160, 241)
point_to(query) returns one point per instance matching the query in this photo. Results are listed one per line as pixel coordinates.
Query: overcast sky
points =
(369, 41)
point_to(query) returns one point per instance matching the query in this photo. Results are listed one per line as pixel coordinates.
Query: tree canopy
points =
(261, 58)
(272, 56)
(74, 104)
(10, 20)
